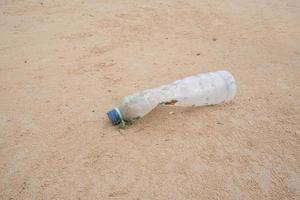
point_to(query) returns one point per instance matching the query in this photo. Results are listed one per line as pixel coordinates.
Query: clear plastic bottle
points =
(199, 90)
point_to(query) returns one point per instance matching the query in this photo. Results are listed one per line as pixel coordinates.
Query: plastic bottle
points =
(199, 90)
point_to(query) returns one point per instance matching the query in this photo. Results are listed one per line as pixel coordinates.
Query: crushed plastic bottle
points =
(199, 90)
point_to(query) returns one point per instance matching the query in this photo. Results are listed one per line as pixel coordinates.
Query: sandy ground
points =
(63, 64)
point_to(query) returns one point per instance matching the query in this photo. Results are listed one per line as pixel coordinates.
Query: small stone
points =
(214, 39)
(198, 54)
(171, 113)
(25, 61)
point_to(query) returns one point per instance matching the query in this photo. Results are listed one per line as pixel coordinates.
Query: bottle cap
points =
(114, 116)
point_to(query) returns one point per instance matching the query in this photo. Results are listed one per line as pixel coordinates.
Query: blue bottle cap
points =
(114, 116)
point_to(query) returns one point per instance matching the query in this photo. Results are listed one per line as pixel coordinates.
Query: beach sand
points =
(64, 64)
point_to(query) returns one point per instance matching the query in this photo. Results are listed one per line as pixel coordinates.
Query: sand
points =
(63, 64)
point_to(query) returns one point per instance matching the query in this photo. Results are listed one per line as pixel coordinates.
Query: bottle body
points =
(198, 90)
